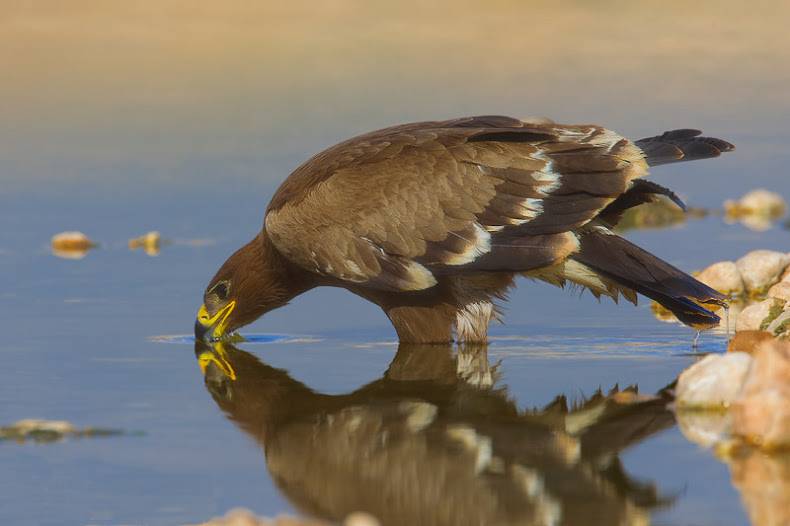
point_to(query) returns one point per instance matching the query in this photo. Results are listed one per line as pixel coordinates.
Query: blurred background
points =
(118, 118)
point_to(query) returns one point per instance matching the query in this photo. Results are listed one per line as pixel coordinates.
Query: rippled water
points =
(183, 117)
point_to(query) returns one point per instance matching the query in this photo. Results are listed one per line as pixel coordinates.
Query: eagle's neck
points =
(270, 279)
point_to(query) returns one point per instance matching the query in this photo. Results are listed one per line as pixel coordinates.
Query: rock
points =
(661, 213)
(149, 242)
(780, 326)
(713, 382)
(760, 269)
(724, 277)
(764, 484)
(753, 317)
(706, 428)
(756, 210)
(761, 411)
(360, 518)
(71, 245)
(781, 291)
(50, 431)
(747, 341)
(244, 517)
(757, 202)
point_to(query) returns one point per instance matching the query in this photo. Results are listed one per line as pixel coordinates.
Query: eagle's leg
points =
(460, 306)
(474, 295)
(423, 324)
(418, 317)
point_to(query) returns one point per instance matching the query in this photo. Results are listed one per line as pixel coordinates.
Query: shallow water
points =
(127, 119)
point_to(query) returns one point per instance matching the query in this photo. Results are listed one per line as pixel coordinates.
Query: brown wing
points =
(394, 208)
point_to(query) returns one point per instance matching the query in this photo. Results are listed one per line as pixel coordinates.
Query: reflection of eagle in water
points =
(424, 446)
(432, 221)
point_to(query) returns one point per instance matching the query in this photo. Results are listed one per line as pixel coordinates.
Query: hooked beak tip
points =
(201, 331)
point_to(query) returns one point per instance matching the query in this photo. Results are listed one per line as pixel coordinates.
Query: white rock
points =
(762, 201)
(724, 277)
(713, 382)
(760, 269)
(751, 318)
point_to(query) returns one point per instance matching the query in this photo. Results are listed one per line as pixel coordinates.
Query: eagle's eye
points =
(220, 290)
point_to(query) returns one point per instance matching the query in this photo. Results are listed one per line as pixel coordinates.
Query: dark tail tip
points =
(681, 145)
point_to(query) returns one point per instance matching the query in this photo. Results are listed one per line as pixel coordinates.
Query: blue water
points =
(120, 119)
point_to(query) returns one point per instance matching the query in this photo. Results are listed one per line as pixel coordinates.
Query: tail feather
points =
(681, 145)
(628, 265)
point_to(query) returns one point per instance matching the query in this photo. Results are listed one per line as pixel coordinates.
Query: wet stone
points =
(753, 317)
(724, 277)
(757, 202)
(760, 269)
(761, 412)
(764, 484)
(747, 341)
(781, 291)
(713, 382)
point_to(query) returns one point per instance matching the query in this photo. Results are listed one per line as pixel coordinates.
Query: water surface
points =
(183, 117)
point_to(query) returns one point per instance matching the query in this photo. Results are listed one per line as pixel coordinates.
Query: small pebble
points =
(71, 245)
(150, 243)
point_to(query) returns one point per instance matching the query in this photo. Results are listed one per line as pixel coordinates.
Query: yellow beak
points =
(212, 327)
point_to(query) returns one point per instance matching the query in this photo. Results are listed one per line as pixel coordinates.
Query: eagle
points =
(433, 221)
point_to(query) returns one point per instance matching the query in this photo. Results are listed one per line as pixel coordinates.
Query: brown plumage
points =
(432, 221)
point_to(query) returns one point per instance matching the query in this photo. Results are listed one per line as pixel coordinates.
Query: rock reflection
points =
(436, 441)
